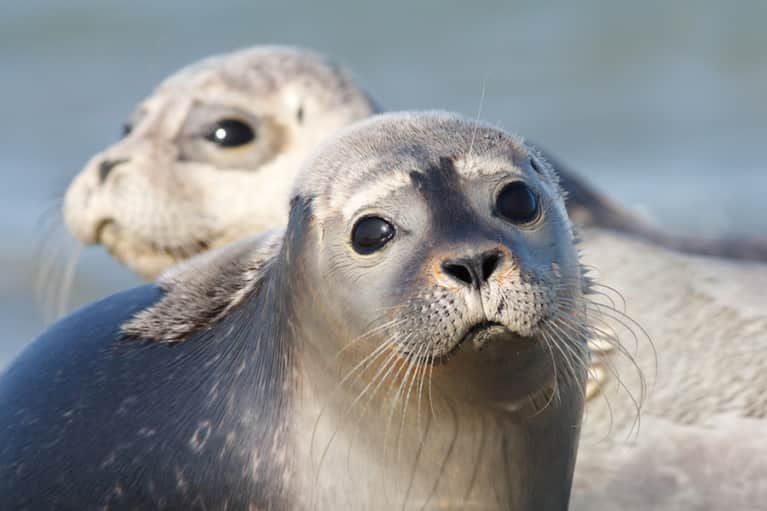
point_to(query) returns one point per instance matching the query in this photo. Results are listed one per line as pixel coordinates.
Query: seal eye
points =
(371, 233)
(517, 203)
(230, 133)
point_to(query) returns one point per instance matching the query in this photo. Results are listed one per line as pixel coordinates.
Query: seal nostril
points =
(458, 271)
(489, 264)
(106, 167)
(475, 270)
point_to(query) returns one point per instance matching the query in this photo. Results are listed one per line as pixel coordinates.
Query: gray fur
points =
(678, 467)
(696, 443)
(527, 458)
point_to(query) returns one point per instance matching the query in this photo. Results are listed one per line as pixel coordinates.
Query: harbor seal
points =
(416, 339)
(210, 156)
(172, 188)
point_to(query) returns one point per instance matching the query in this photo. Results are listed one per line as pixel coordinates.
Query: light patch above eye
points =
(478, 167)
(372, 193)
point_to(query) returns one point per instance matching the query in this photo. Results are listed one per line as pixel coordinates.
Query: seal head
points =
(191, 172)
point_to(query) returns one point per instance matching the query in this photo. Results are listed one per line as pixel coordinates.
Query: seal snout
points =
(475, 270)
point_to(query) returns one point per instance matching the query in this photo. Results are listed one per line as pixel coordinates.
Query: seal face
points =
(454, 274)
(415, 339)
(177, 183)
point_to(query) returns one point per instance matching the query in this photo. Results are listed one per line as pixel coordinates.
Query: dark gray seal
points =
(415, 340)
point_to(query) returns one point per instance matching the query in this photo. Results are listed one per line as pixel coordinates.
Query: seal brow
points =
(374, 192)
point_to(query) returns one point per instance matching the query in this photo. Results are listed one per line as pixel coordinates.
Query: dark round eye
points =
(371, 233)
(230, 133)
(517, 203)
(126, 129)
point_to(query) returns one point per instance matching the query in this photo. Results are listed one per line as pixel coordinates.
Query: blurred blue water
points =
(660, 103)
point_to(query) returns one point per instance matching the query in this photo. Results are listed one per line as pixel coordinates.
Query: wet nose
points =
(107, 166)
(475, 270)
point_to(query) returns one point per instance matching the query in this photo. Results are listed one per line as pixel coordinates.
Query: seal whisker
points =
(613, 339)
(406, 364)
(603, 311)
(431, 372)
(416, 461)
(479, 116)
(422, 376)
(555, 393)
(570, 376)
(594, 329)
(362, 365)
(67, 281)
(391, 324)
(416, 371)
(48, 254)
(574, 359)
(636, 401)
(477, 461)
(392, 356)
(448, 452)
(620, 317)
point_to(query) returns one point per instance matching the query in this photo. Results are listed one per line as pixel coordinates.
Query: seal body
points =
(399, 346)
(93, 420)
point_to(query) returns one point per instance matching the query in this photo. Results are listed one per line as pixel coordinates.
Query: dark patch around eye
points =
(126, 130)
(300, 114)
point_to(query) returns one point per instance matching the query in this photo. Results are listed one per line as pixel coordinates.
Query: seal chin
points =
(145, 257)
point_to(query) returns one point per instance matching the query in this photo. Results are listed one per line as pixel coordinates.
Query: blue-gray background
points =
(662, 104)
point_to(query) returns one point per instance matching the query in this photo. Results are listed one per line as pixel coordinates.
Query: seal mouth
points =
(482, 333)
(477, 337)
(101, 229)
(144, 256)
(110, 234)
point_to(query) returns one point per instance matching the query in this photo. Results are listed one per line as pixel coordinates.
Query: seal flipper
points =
(202, 290)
